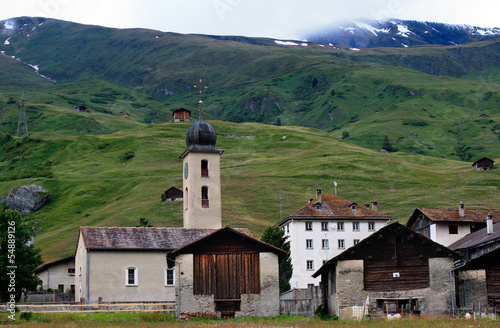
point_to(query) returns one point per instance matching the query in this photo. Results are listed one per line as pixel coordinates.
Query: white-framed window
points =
(341, 243)
(310, 265)
(131, 276)
(371, 226)
(169, 276)
(355, 226)
(355, 241)
(309, 226)
(288, 228)
(324, 226)
(324, 244)
(340, 226)
(309, 244)
(310, 286)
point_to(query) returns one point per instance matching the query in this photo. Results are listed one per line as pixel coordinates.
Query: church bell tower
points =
(201, 177)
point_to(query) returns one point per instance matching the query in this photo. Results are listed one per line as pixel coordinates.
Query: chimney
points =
(374, 206)
(489, 224)
(318, 195)
(461, 210)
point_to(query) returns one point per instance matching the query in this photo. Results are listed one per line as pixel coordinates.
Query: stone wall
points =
(350, 289)
(475, 292)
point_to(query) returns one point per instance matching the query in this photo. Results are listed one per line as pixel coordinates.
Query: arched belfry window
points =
(186, 195)
(204, 168)
(204, 196)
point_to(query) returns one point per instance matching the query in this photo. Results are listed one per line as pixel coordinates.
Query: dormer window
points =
(317, 206)
(353, 206)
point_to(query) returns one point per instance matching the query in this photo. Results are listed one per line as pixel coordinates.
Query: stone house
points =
(229, 272)
(324, 228)
(394, 270)
(446, 225)
(59, 274)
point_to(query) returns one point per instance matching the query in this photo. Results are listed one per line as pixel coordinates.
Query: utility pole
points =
(22, 124)
(281, 205)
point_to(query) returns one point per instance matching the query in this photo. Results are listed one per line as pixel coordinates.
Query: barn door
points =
(228, 310)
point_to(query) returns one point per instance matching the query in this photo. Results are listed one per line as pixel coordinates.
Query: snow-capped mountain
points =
(362, 33)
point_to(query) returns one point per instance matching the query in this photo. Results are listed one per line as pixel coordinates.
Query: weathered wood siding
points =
(396, 254)
(226, 275)
(493, 280)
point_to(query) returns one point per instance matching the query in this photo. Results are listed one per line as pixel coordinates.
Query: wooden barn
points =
(172, 194)
(394, 270)
(483, 164)
(181, 115)
(124, 115)
(230, 273)
(82, 109)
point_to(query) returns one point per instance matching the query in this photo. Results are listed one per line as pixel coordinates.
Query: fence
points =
(97, 307)
(303, 301)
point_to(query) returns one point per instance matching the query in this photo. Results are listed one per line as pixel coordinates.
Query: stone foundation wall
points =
(475, 289)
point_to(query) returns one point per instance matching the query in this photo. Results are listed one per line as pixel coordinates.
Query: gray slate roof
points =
(143, 238)
(477, 238)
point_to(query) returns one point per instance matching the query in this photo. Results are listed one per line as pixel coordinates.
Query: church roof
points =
(142, 238)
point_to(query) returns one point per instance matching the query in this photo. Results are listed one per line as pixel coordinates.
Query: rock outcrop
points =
(27, 199)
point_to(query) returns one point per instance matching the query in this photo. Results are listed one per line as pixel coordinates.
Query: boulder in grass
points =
(27, 199)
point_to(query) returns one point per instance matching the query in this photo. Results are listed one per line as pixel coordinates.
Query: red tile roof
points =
(334, 207)
(143, 238)
(451, 215)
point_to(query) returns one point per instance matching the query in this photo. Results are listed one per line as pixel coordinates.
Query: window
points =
(371, 226)
(355, 241)
(131, 276)
(324, 243)
(309, 244)
(453, 229)
(60, 288)
(324, 226)
(310, 286)
(309, 226)
(341, 243)
(170, 277)
(340, 226)
(287, 228)
(204, 197)
(310, 265)
(204, 168)
(186, 194)
(71, 272)
(355, 226)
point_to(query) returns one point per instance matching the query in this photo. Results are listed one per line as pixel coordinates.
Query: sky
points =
(279, 19)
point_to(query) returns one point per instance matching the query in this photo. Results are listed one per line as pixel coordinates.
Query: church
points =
(203, 267)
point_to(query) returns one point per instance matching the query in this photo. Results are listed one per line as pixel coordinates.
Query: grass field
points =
(162, 320)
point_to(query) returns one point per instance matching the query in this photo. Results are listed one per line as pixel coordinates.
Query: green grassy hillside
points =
(93, 183)
(427, 100)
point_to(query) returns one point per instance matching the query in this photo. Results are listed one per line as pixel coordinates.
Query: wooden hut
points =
(483, 164)
(181, 115)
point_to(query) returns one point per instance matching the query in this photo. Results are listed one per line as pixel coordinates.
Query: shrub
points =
(129, 155)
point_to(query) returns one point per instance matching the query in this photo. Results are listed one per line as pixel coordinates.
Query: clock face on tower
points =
(186, 171)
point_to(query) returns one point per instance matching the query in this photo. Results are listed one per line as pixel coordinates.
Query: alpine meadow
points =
(290, 116)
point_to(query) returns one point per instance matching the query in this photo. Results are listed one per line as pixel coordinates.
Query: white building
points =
(324, 228)
(448, 225)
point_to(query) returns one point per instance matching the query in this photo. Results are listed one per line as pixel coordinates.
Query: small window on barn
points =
(204, 197)
(131, 276)
(309, 226)
(204, 168)
(453, 229)
(310, 265)
(71, 271)
(170, 277)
